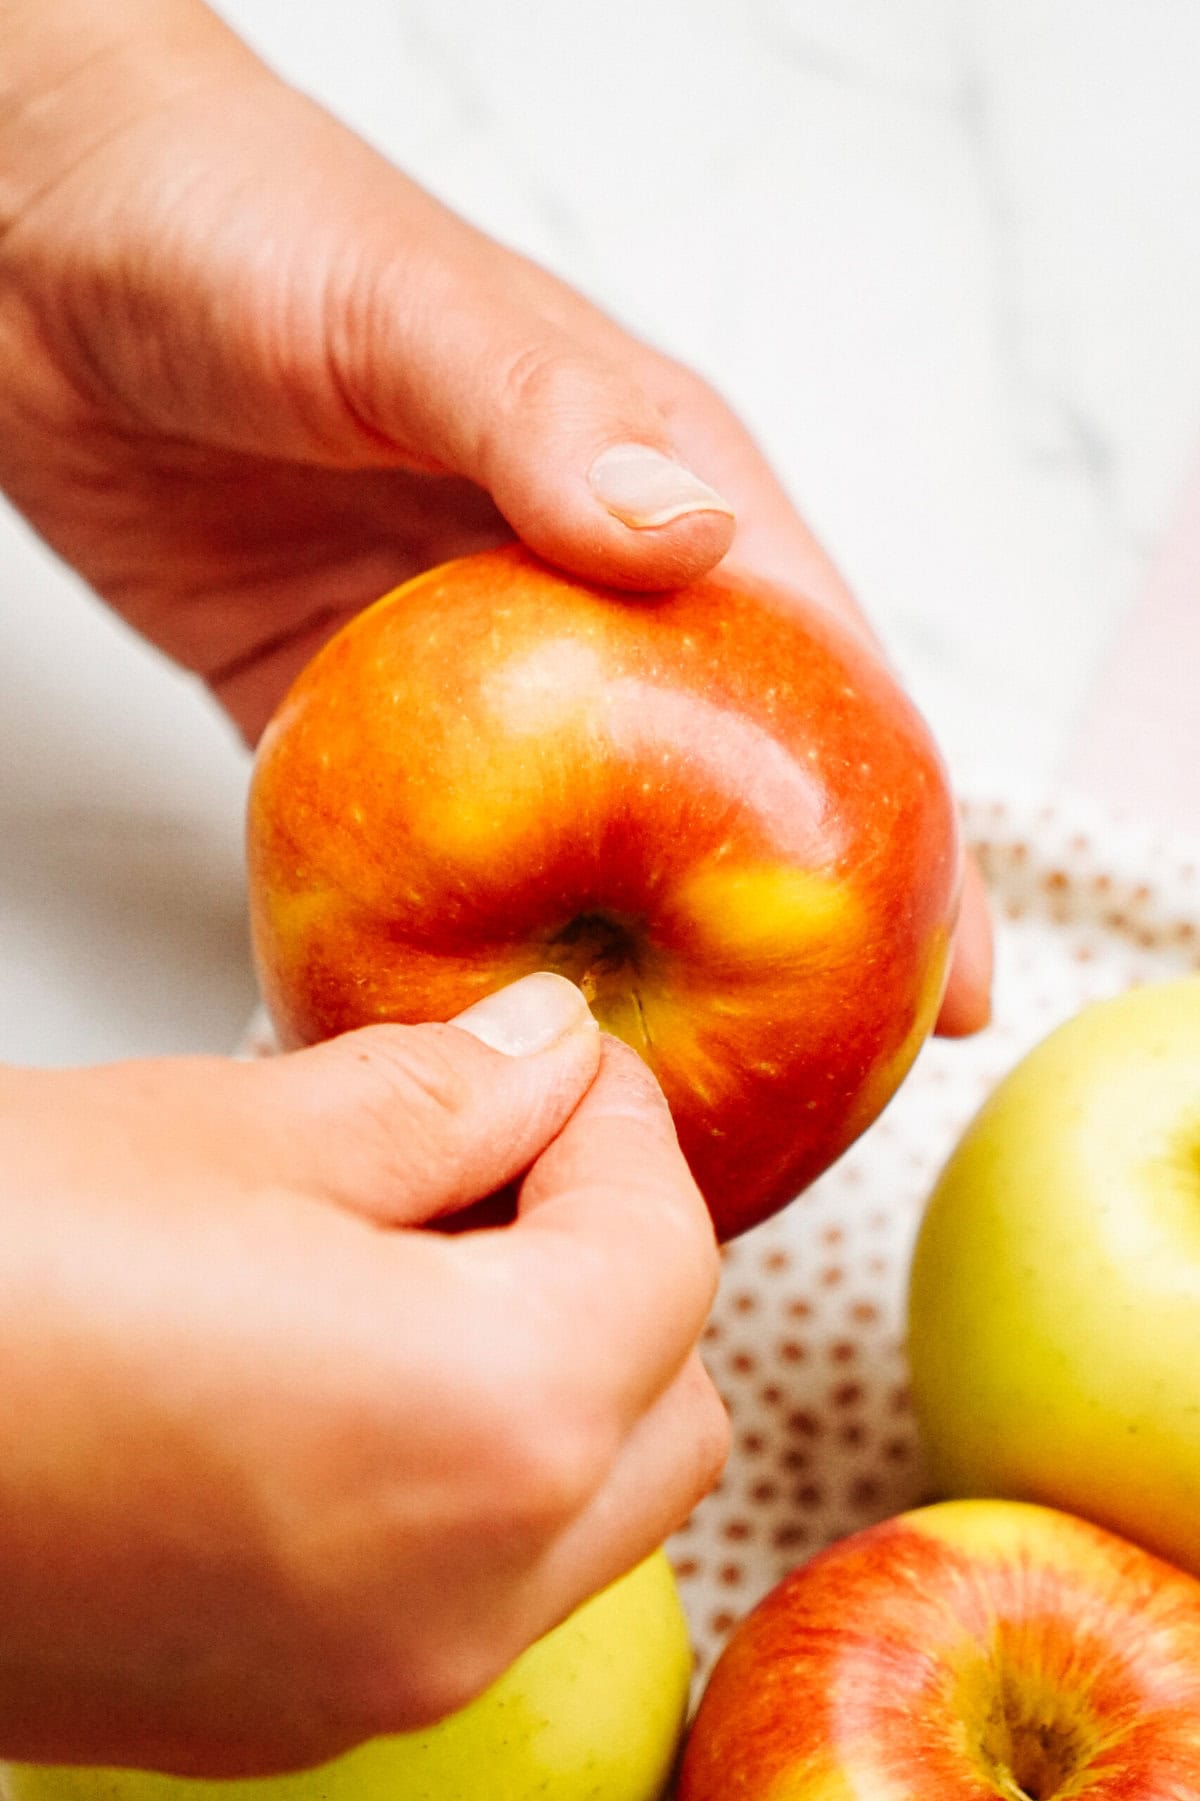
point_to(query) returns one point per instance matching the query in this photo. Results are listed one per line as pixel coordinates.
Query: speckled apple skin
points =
(713, 808)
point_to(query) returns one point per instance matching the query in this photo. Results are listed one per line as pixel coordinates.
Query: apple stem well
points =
(604, 954)
(1031, 1752)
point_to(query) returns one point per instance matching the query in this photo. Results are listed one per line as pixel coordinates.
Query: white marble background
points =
(944, 255)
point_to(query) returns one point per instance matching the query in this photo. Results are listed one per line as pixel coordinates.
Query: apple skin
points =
(1054, 1301)
(592, 1712)
(714, 809)
(961, 1651)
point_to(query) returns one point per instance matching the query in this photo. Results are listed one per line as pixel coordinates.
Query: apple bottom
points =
(966, 1650)
(769, 1074)
(592, 1712)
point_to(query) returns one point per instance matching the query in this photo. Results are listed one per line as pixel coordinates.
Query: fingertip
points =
(625, 1083)
(529, 1016)
(664, 557)
(967, 1003)
(644, 488)
(676, 527)
(571, 526)
(583, 467)
(410, 1123)
(623, 1133)
(965, 1011)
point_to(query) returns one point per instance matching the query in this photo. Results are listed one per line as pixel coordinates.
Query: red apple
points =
(713, 809)
(968, 1650)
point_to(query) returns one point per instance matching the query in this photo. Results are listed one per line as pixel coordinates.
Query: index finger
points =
(613, 1248)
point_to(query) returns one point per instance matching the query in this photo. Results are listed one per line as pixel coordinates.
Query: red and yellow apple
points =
(593, 1712)
(713, 809)
(1054, 1302)
(964, 1651)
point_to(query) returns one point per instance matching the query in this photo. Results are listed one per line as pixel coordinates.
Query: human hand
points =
(279, 1473)
(255, 377)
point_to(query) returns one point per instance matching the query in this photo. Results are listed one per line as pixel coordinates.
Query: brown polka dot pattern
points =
(806, 1337)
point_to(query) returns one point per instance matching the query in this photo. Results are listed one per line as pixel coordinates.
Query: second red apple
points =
(971, 1650)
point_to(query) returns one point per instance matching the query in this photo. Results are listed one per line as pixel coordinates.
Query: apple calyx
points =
(1032, 1745)
(603, 953)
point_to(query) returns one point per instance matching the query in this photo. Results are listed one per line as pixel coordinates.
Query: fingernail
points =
(528, 1016)
(643, 488)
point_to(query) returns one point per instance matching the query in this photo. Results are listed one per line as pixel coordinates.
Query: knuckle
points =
(685, 393)
(444, 1686)
(540, 376)
(406, 1687)
(377, 1642)
(413, 1067)
(549, 1458)
(410, 1092)
(552, 1470)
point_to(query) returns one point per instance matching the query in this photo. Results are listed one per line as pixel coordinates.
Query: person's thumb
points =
(474, 363)
(410, 1123)
(382, 331)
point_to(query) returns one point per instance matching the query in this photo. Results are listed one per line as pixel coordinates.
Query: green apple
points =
(593, 1712)
(1054, 1308)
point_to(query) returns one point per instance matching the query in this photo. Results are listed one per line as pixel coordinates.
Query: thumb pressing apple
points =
(362, 1467)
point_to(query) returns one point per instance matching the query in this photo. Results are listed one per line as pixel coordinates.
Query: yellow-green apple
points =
(970, 1650)
(1054, 1309)
(714, 809)
(592, 1712)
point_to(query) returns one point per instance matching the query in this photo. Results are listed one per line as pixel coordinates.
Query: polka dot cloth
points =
(806, 1337)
